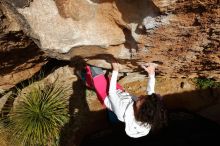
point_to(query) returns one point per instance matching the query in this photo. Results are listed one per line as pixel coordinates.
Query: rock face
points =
(61, 25)
(189, 44)
(181, 35)
(20, 58)
(18, 64)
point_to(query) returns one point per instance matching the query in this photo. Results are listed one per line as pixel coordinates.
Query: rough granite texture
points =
(182, 36)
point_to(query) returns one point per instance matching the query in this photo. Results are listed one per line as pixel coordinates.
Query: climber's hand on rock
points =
(115, 65)
(149, 68)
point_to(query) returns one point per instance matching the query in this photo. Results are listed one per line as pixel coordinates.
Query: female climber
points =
(140, 114)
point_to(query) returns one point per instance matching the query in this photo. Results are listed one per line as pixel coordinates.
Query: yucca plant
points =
(39, 115)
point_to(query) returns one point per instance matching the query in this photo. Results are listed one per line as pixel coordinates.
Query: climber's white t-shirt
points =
(121, 103)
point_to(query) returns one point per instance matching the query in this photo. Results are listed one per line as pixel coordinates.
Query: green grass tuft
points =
(36, 120)
(205, 83)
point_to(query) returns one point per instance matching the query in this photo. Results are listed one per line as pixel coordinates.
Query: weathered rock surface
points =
(61, 25)
(188, 45)
(181, 35)
(20, 58)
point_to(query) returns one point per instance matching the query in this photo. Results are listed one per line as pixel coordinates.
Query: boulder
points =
(181, 36)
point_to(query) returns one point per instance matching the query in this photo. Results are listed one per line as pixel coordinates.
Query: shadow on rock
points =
(83, 121)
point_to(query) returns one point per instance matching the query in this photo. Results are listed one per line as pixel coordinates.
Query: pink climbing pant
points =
(99, 83)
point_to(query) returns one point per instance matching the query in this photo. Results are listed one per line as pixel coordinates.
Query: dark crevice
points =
(9, 60)
(198, 10)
